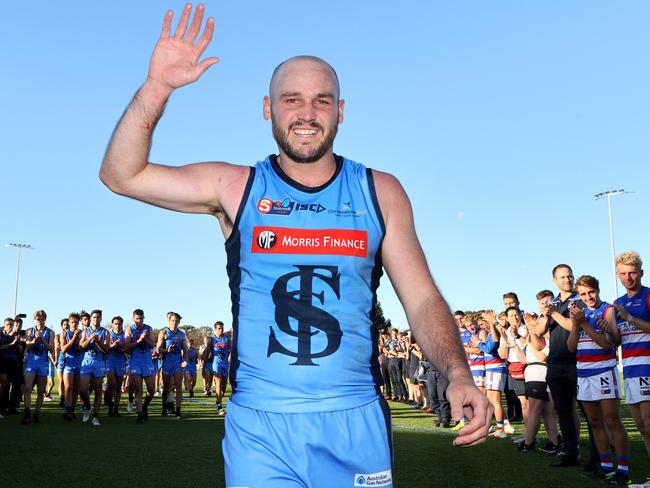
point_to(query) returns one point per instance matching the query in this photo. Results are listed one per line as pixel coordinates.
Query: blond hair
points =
(629, 258)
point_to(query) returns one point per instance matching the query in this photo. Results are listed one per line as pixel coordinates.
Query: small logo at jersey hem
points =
(382, 478)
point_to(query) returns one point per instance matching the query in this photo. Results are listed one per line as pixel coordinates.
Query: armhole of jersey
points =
(375, 200)
(242, 205)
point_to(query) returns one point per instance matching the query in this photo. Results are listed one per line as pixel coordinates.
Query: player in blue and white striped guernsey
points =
(598, 385)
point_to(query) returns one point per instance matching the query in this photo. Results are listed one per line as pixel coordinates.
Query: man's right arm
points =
(126, 170)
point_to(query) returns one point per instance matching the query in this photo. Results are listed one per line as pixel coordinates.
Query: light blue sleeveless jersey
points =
(304, 265)
(176, 339)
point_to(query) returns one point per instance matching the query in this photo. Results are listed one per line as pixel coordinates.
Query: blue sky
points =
(501, 119)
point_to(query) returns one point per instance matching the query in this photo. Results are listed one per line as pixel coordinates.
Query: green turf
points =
(166, 452)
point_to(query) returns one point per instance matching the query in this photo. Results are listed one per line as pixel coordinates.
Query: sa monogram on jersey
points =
(304, 277)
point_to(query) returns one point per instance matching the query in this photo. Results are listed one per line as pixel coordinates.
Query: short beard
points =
(281, 137)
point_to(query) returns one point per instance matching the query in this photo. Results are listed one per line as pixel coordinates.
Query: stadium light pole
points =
(609, 194)
(20, 247)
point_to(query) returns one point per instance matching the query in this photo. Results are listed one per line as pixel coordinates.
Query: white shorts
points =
(479, 381)
(495, 381)
(599, 387)
(637, 390)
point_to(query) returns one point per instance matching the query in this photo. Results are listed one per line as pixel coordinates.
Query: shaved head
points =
(301, 62)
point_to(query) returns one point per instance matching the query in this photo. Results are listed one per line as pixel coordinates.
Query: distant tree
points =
(380, 322)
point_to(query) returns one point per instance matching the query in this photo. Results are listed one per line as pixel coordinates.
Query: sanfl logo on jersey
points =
(275, 207)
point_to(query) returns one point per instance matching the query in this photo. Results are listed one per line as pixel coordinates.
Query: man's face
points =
(471, 326)
(459, 320)
(173, 322)
(630, 276)
(218, 330)
(85, 321)
(589, 296)
(8, 325)
(510, 302)
(65, 324)
(304, 110)
(96, 319)
(73, 323)
(138, 320)
(544, 300)
(563, 279)
(117, 326)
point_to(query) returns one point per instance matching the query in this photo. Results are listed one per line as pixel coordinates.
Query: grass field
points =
(166, 452)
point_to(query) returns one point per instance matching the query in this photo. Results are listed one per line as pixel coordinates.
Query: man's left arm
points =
(427, 311)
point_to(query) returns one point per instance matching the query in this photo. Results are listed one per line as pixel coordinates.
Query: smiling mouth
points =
(305, 132)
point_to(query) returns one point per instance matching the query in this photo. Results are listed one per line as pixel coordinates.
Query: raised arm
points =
(426, 310)
(194, 188)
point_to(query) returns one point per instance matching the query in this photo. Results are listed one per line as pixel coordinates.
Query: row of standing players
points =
(87, 354)
(566, 356)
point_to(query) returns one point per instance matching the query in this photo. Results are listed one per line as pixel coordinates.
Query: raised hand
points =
(175, 59)
(604, 326)
(577, 316)
(622, 312)
(490, 316)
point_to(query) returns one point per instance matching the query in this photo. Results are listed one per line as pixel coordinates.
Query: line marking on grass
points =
(423, 429)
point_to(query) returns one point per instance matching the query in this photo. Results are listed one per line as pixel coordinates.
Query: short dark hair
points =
(138, 311)
(75, 316)
(96, 311)
(544, 293)
(511, 294)
(459, 312)
(560, 266)
(218, 322)
(512, 308)
(83, 314)
(588, 281)
(117, 317)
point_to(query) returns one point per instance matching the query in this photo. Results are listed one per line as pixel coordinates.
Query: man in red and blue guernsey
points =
(633, 324)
